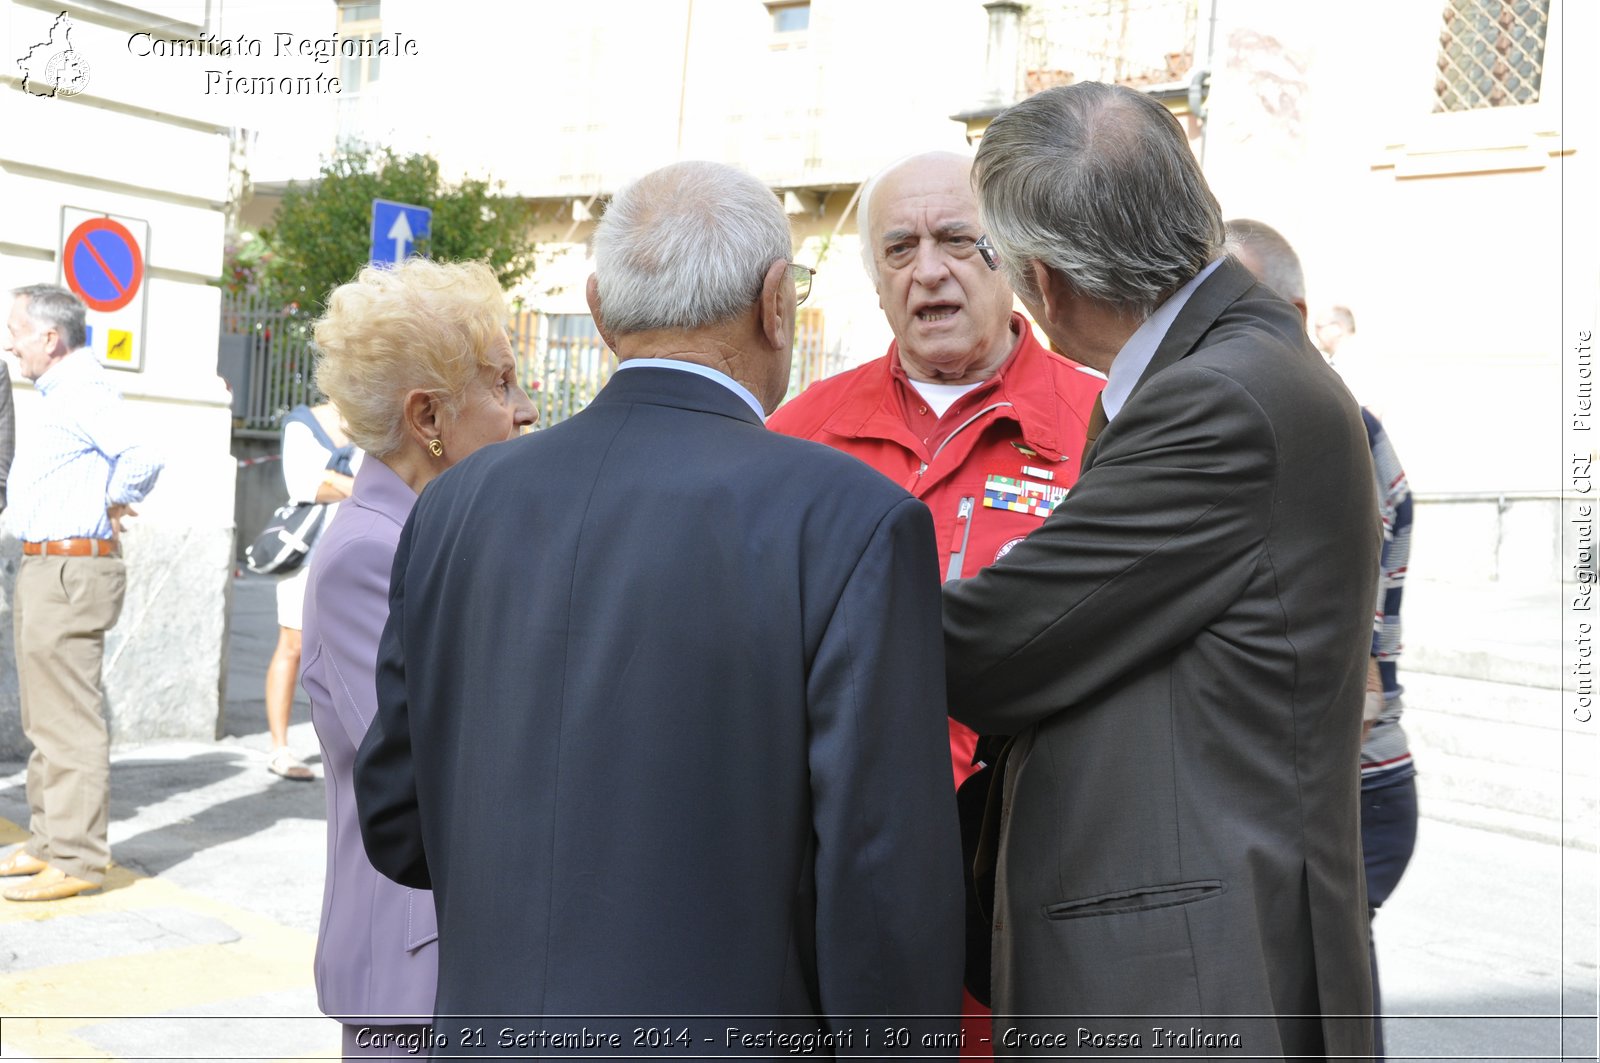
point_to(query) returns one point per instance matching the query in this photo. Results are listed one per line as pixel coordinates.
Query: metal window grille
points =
(564, 363)
(1491, 53)
(812, 359)
(562, 360)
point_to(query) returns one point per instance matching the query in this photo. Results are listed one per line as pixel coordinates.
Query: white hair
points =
(869, 250)
(686, 246)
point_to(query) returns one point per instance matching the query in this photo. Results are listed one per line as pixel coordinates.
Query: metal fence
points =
(268, 360)
(564, 363)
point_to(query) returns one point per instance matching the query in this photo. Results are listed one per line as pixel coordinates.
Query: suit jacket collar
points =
(379, 488)
(1216, 293)
(672, 387)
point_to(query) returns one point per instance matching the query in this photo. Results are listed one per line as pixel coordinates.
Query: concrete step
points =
(1500, 756)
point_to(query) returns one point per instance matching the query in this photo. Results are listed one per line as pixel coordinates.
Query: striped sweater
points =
(1385, 755)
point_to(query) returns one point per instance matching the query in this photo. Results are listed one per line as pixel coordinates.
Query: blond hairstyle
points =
(422, 324)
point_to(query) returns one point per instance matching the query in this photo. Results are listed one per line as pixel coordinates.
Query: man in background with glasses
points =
(967, 410)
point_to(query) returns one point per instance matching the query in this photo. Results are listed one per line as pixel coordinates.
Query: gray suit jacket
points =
(376, 948)
(1180, 651)
(8, 432)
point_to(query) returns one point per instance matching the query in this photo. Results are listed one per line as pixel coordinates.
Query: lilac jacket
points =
(377, 947)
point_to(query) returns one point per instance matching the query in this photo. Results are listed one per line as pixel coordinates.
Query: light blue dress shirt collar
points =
(1135, 355)
(74, 364)
(698, 370)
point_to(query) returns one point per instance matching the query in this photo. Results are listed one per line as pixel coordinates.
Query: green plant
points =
(320, 236)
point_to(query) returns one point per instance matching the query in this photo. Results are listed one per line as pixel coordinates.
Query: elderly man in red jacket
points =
(967, 410)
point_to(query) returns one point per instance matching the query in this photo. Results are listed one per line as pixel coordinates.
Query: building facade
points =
(94, 129)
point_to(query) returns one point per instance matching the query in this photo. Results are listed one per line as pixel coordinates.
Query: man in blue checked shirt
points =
(79, 472)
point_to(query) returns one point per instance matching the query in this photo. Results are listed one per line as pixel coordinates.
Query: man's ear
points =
(422, 416)
(777, 304)
(1305, 316)
(1053, 292)
(591, 293)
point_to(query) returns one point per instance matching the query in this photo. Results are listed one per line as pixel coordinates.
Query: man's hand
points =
(1374, 700)
(115, 515)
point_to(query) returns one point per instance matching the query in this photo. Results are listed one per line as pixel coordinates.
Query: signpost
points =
(396, 228)
(102, 261)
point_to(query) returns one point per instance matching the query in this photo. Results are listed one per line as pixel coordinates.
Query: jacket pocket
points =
(1138, 899)
(422, 925)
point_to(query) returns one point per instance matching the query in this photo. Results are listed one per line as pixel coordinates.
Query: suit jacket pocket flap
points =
(422, 923)
(1138, 899)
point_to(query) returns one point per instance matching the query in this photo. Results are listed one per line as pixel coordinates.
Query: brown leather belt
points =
(72, 548)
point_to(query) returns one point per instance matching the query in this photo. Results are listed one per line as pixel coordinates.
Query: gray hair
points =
(686, 246)
(1098, 183)
(1265, 252)
(56, 308)
(869, 250)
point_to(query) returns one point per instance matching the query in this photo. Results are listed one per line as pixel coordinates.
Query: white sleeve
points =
(304, 462)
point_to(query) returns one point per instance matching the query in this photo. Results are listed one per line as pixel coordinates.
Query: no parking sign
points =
(102, 259)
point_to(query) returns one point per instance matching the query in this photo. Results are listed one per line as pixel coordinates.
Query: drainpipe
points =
(1197, 106)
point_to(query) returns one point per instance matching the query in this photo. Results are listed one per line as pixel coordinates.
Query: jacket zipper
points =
(964, 521)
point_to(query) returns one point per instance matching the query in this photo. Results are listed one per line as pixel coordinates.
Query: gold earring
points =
(436, 448)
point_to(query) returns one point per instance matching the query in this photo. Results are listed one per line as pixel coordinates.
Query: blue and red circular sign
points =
(103, 265)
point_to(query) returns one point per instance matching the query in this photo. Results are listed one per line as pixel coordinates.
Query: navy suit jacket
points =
(661, 722)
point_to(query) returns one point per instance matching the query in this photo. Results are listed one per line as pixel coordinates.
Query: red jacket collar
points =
(871, 409)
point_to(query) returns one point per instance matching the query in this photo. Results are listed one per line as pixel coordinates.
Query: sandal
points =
(286, 765)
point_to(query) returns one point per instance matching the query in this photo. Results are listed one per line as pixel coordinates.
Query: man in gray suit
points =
(1180, 650)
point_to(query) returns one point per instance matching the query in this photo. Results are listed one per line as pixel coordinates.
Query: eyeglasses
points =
(986, 249)
(802, 281)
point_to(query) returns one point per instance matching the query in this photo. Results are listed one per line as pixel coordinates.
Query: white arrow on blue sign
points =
(396, 227)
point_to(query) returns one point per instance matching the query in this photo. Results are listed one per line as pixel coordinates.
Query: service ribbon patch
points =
(1021, 496)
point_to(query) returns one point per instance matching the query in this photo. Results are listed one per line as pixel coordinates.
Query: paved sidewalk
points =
(201, 946)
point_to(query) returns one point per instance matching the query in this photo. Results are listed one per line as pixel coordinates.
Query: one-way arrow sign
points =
(396, 227)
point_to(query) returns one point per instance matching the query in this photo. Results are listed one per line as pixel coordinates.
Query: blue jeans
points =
(1388, 836)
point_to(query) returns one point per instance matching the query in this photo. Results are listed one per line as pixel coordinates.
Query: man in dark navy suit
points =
(661, 710)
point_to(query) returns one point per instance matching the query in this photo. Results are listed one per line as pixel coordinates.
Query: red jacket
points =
(1009, 451)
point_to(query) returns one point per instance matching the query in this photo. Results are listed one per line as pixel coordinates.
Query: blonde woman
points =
(418, 363)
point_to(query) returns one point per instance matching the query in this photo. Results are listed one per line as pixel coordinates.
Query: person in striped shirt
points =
(82, 468)
(1388, 778)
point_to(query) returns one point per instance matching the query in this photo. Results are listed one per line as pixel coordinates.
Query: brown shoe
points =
(50, 884)
(21, 862)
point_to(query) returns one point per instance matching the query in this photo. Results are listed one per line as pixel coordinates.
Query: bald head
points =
(1263, 251)
(948, 162)
(950, 313)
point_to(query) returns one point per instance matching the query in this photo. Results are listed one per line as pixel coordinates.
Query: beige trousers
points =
(63, 607)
